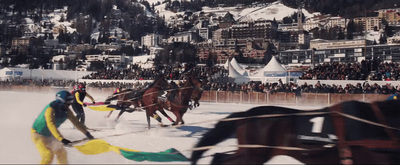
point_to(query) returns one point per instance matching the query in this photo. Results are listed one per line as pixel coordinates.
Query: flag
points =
(101, 108)
(98, 146)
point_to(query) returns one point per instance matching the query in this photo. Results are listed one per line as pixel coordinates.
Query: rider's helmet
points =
(81, 87)
(64, 97)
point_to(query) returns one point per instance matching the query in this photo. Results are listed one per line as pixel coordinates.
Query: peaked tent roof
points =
(274, 66)
(233, 72)
(237, 67)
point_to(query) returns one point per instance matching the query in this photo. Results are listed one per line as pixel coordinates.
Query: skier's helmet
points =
(81, 87)
(64, 97)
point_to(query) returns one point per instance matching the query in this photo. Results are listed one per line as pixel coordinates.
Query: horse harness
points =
(343, 145)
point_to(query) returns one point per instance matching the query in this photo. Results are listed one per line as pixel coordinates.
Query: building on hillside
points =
(265, 29)
(106, 47)
(222, 34)
(226, 21)
(99, 61)
(78, 48)
(387, 53)
(336, 22)
(21, 44)
(205, 33)
(369, 23)
(155, 50)
(224, 49)
(59, 28)
(394, 40)
(152, 40)
(60, 61)
(392, 16)
(254, 51)
(329, 44)
(187, 37)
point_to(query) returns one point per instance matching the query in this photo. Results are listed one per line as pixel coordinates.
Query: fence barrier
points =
(279, 98)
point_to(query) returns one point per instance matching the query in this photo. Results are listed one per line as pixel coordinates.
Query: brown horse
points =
(360, 133)
(129, 97)
(178, 99)
(125, 99)
(150, 101)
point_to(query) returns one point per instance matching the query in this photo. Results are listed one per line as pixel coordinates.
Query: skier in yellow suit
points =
(45, 134)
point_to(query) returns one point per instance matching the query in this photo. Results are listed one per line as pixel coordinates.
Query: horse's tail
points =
(221, 131)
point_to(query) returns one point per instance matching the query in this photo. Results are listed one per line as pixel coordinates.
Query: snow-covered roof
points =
(142, 59)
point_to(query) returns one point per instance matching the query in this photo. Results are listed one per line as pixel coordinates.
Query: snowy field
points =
(20, 109)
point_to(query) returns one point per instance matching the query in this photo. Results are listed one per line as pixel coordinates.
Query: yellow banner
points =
(101, 108)
(93, 147)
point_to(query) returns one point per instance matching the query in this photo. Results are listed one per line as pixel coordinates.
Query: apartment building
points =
(20, 44)
(187, 37)
(392, 16)
(254, 29)
(388, 53)
(152, 40)
(222, 34)
(369, 23)
(331, 44)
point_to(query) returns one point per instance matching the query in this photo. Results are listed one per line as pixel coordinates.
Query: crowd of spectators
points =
(366, 70)
(216, 78)
(136, 72)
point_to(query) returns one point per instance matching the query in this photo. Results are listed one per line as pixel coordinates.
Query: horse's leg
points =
(181, 114)
(177, 114)
(166, 115)
(120, 113)
(148, 118)
(109, 114)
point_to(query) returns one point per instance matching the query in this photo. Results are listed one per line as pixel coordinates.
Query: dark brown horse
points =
(125, 99)
(178, 99)
(140, 99)
(150, 100)
(360, 132)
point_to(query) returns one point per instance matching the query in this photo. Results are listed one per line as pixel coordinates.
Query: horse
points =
(150, 101)
(178, 99)
(128, 97)
(125, 99)
(358, 133)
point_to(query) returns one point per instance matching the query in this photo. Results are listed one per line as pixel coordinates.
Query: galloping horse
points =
(358, 132)
(150, 101)
(179, 102)
(129, 97)
(125, 99)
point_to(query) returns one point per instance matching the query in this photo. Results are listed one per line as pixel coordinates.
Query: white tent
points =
(238, 68)
(239, 78)
(274, 66)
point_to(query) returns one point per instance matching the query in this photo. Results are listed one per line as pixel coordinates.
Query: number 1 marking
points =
(317, 126)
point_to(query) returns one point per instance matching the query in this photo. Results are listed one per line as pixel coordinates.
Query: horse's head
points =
(160, 82)
(193, 81)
